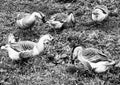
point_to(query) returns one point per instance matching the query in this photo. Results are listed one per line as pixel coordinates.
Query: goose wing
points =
(94, 55)
(23, 45)
(59, 17)
(26, 54)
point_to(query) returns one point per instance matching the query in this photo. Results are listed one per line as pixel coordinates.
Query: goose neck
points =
(41, 41)
(11, 51)
(35, 14)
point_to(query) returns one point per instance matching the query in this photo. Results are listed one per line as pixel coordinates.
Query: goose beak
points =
(43, 19)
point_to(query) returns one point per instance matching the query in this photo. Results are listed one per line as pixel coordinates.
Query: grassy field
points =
(51, 67)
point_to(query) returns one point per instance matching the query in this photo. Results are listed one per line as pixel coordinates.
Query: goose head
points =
(40, 15)
(77, 51)
(46, 38)
(99, 13)
(75, 54)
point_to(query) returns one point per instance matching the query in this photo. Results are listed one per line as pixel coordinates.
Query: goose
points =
(100, 13)
(25, 20)
(93, 59)
(61, 19)
(25, 49)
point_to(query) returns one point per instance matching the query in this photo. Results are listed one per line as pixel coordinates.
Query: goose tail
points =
(113, 63)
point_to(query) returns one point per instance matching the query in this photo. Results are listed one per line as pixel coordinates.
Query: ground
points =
(52, 66)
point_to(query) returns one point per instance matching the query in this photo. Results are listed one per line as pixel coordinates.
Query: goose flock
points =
(91, 58)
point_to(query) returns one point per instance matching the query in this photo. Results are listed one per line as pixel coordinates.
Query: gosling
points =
(100, 13)
(26, 20)
(25, 49)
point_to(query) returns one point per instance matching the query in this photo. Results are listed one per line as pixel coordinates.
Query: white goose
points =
(99, 13)
(24, 49)
(25, 20)
(60, 19)
(93, 58)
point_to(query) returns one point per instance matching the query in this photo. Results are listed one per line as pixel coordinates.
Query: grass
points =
(51, 67)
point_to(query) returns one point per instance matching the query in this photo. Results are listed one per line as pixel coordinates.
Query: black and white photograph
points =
(59, 42)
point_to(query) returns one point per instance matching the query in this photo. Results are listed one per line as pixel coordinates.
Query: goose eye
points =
(46, 41)
(51, 38)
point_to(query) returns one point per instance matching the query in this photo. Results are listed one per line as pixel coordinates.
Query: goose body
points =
(93, 58)
(59, 19)
(24, 49)
(99, 13)
(25, 20)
